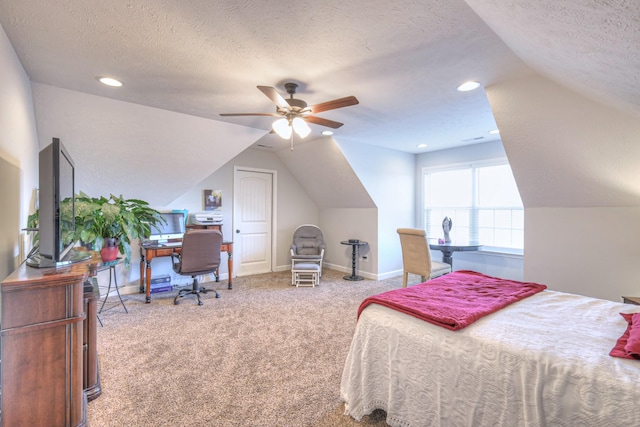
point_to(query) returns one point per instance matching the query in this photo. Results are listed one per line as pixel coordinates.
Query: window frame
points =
(474, 209)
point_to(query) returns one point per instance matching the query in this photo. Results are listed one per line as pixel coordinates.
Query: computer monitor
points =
(172, 229)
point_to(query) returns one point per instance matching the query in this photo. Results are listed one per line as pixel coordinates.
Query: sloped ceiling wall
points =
(566, 150)
(586, 45)
(570, 131)
(134, 150)
(324, 173)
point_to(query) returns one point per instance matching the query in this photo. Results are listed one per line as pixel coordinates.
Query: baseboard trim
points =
(347, 270)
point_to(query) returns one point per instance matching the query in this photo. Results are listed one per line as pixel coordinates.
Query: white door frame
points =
(274, 206)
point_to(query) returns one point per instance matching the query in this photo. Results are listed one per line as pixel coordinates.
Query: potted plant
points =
(113, 223)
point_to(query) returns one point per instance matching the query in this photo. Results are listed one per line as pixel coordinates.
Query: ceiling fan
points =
(295, 114)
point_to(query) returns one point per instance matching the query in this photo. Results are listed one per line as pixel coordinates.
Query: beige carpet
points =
(265, 354)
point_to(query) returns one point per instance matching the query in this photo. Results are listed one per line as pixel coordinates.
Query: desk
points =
(355, 244)
(449, 248)
(149, 252)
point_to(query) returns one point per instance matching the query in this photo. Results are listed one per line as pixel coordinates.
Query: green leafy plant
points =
(66, 231)
(100, 219)
(32, 224)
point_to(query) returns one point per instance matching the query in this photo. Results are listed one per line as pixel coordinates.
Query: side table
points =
(111, 265)
(449, 248)
(631, 300)
(355, 244)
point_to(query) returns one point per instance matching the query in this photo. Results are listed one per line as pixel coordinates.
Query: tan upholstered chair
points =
(416, 256)
(200, 254)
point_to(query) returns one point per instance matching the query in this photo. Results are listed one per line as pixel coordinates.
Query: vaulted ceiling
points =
(401, 59)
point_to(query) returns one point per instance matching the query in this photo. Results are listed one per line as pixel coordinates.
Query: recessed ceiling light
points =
(494, 131)
(475, 138)
(109, 81)
(327, 133)
(421, 145)
(467, 86)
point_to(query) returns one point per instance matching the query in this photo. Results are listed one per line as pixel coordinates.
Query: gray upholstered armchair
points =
(307, 253)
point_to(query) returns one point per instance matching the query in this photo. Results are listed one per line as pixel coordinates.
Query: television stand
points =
(41, 337)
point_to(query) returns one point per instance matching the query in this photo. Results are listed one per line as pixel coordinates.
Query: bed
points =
(541, 361)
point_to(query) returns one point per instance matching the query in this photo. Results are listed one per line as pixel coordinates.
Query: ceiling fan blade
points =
(323, 122)
(336, 103)
(249, 114)
(273, 95)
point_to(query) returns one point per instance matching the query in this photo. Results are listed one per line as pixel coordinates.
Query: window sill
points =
(502, 252)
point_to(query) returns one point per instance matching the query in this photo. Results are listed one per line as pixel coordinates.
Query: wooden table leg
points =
(230, 265)
(148, 282)
(142, 271)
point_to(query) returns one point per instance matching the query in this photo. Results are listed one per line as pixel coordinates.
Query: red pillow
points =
(628, 345)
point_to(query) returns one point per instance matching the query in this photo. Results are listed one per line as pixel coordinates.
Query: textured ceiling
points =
(401, 59)
(589, 46)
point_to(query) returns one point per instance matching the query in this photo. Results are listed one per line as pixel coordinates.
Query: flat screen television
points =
(173, 227)
(56, 209)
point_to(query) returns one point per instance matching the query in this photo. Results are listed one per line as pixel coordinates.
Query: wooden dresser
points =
(41, 338)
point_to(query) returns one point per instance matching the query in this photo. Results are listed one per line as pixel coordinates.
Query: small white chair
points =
(305, 274)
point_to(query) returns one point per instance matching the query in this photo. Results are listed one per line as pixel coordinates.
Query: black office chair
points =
(200, 254)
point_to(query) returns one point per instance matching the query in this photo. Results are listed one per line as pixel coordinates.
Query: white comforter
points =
(543, 361)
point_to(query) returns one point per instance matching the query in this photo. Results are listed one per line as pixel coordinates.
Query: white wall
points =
(389, 177)
(339, 224)
(294, 207)
(588, 251)
(577, 166)
(18, 152)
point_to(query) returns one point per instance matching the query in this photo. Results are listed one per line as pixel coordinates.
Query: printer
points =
(206, 218)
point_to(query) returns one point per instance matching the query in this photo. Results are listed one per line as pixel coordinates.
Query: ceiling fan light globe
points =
(301, 127)
(282, 128)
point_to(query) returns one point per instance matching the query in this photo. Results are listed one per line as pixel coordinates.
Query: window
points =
(482, 201)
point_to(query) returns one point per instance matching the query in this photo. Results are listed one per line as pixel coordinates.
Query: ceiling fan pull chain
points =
(291, 141)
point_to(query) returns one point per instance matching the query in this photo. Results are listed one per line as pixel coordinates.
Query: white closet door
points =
(253, 194)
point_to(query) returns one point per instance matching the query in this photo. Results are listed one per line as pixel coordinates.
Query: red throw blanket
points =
(455, 300)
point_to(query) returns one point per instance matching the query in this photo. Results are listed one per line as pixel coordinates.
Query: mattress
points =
(542, 361)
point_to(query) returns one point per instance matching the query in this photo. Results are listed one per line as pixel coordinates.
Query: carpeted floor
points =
(265, 354)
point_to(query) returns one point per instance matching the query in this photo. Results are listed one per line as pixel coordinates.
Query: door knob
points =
(237, 231)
